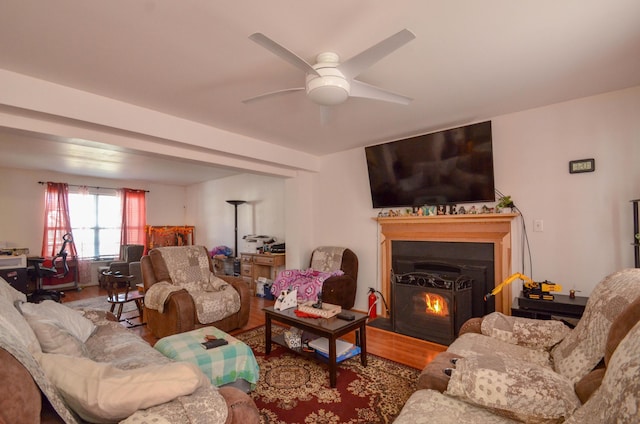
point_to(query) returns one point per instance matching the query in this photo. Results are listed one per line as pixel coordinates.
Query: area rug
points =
(295, 389)
(99, 303)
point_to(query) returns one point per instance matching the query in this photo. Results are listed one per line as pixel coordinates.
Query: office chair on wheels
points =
(39, 272)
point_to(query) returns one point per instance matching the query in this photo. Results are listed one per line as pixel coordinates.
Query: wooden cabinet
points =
(16, 277)
(255, 265)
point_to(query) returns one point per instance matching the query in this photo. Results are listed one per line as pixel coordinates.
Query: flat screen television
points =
(445, 167)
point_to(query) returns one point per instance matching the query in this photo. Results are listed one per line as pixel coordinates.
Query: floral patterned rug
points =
(295, 389)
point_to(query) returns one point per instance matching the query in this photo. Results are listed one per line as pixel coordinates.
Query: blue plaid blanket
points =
(223, 364)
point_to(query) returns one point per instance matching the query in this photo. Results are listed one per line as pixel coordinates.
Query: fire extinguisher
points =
(373, 299)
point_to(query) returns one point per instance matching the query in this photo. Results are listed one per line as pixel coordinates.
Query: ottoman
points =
(232, 364)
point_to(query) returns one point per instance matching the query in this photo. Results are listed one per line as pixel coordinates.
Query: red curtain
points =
(134, 216)
(56, 220)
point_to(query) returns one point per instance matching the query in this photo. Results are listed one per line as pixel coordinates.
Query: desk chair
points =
(38, 272)
(119, 292)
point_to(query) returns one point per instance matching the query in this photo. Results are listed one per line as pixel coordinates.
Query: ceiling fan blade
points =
(364, 90)
(362, 61)
(272, 93)
(282, 52)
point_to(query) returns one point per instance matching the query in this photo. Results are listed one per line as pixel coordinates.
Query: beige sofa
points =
(508, 369)
(182, 292)
(61, 365)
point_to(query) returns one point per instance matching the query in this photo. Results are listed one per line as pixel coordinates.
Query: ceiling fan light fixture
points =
(328, 90)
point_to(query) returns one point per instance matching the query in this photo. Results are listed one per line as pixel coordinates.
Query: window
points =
(96, 219)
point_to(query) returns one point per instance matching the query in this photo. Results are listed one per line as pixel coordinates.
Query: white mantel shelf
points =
(471, 228)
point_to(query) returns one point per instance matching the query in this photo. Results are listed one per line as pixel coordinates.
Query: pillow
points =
(514, 388)
(534, 333)
(54, 338)
(67, 318)
(100, 392)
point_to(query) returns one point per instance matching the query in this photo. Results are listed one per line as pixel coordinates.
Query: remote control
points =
(210, 344)
(346, 316)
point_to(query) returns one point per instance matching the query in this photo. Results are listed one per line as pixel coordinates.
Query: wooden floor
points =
(396, 347)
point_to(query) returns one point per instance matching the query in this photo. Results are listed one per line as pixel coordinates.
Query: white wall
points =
(214, 217)
(587, 217)
(22, 220)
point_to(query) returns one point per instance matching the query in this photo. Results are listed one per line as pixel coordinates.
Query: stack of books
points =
(344, 350)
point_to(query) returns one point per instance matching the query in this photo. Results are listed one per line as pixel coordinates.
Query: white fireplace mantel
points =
(480, 228)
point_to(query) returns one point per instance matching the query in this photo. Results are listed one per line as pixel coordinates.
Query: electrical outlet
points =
(538, 225)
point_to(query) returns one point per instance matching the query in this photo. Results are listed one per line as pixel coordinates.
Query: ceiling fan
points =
(329, 82)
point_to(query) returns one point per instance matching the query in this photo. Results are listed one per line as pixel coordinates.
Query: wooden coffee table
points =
(331, 328)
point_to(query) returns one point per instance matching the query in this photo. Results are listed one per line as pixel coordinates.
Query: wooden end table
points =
(331, 328)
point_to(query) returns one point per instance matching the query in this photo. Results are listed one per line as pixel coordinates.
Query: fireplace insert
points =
(431, 306)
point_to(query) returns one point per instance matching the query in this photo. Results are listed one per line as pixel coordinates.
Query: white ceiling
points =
(471, 60)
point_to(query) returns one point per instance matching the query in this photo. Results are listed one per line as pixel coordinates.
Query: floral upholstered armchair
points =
(182, 293)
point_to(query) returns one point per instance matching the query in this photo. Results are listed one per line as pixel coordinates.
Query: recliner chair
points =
(337, 289)
(128, 253)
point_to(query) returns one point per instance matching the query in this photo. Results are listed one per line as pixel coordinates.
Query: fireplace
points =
(448, 236)
(431, 306)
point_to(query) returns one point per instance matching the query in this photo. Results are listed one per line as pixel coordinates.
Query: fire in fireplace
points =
(431, 306)
(436, 305)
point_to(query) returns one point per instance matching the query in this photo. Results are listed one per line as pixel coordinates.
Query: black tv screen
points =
(445, 167)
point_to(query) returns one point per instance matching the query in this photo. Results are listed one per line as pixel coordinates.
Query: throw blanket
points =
(158, 294)
(308, 282)
(327, 258)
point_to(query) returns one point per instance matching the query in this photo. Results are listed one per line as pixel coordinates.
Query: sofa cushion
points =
(513, 388)
(533, 333)
(100, 392)
(470, 344)
(430, 406)
(617, 400)
(578, 353)
(70, 319)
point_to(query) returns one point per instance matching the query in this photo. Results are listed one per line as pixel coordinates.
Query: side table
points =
(562, 308)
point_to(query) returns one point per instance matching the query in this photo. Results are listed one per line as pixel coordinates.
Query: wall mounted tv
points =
(445, 167)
